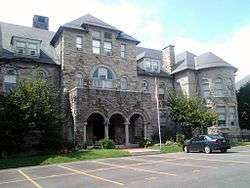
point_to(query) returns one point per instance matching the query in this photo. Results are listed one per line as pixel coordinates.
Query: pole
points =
(157, 108)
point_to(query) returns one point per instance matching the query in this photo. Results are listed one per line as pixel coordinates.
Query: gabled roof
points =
(187, 60)
(148, 53)
(83, 22)
(8, 31)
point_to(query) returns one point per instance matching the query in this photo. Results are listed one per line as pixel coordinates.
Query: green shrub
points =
(170, 143)
(107, 143)
(180, 138)
(145, 143)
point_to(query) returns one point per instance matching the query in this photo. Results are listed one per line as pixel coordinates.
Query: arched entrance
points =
(136, 129)
(95, 128)
(117, 129)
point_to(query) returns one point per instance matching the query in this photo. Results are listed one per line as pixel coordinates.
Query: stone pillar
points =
(145, 125)
(85, 133)
(126, 133)
(106, 128)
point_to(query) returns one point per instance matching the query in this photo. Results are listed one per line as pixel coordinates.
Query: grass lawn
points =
(240, 144)
(168, 149)
(60, 158)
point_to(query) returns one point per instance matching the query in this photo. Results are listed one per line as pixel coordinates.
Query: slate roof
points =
(7, 31)
(187, 60)
(148, 53)
(83, 22)
(153, 74)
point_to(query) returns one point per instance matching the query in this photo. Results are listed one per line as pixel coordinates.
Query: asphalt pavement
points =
(197, 170)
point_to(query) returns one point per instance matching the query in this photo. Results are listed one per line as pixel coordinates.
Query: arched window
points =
(219, 87)
(41, 74)
(205, 88)
(79, 80)
(144, 85)
(9, 81)
(124, 83)
(103, 78)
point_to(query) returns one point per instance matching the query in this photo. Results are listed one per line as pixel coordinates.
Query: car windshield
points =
(215, 136)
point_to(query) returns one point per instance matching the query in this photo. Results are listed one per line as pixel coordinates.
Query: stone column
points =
(126, 133)
(85, 133)
(145, 125)
(106, 128)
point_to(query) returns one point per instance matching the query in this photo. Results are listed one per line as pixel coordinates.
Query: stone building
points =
(109, 83)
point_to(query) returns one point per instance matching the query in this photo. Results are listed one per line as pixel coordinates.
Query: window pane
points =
(124, 83)
(20, 44)
(96, 50)
(107, 35)
(79, 42)
(221, 109)
(96, 43)
(10, 78)
(32, 46)
(79, 80)
(107, 45)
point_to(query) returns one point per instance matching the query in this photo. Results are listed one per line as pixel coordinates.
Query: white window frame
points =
(10, 79)
(221, 110)
(79, 79)
(123, 50)
(107, 48)
(124, 83)
(102, 80)
(219, 87)
(79, 42)
(95, 47)
(205, 88)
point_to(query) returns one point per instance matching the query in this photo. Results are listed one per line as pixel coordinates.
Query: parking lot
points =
(163, 170)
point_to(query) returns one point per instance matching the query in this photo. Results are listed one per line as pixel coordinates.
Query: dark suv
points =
(207, 144)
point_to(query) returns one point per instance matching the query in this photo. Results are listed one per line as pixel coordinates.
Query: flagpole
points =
(157, 108)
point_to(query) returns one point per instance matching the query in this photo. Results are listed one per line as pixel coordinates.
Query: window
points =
(107, 48)
(151, 66)
(96, 35)
(124, 83)
(41, 74)
(222, 115)
(103, 78)
(79, 42)
(205, 88)
(32, 49)
(107, 35)
(41, 19)
(161, 93)
(9, 81)
(219, 88)
(79, 80)
(232, 115)
(20, 47)
(144, 85)
(96, 46)
(123, 50)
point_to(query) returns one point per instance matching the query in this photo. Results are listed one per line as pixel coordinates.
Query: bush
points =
(107, 143)
(145, 143)
(170, 143)
(180, 138)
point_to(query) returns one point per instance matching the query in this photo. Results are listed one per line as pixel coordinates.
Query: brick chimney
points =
(41, 22)
(168, 59)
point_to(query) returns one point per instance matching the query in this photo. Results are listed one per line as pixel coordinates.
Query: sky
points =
(198, 26)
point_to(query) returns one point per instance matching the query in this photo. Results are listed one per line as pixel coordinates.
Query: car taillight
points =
(217, 142)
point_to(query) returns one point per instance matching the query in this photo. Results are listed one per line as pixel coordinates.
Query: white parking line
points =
(30, 179)
(90, 175)
(137, 169)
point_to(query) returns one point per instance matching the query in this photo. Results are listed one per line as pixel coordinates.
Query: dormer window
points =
(151, 65)
(107, 35)
(26, 47)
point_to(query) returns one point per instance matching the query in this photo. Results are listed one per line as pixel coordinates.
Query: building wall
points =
(84, 61)
(28, 71)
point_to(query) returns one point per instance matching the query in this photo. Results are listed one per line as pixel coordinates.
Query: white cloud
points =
(234, 49)
(136, 20)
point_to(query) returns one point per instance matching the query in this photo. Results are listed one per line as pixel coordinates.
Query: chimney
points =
(168, 59)
(41, 22)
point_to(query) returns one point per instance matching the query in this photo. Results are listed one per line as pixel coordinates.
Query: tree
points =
(243, 98)
(190, 113)
(32, 107)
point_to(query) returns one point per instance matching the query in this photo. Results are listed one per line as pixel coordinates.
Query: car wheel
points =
(223, 150)
(185, 149)
(207, 150)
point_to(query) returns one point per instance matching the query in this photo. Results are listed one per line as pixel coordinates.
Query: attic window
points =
(26, 47)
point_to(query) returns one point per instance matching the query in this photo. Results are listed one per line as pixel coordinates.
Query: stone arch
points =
(142, 113)
(117, 112)
(100, 66)
(137, 127)
(116, 127)
(95, 127)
